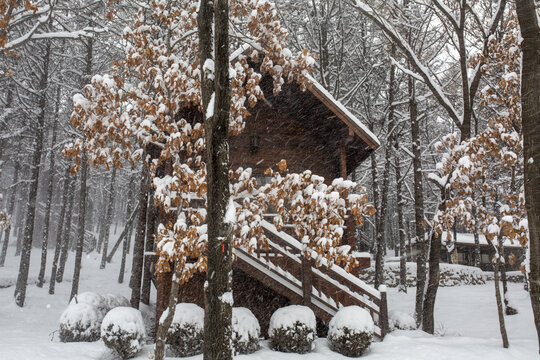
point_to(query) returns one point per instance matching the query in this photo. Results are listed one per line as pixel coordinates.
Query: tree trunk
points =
(401, 225)
(165, 324)
(381, 228)
(22, 208)
(45, 242)
(127, 239)
(138, 250)
(102, 224)
(80, 225)
(59, 227)
(530, 103)
(149, 246)
(477, 255)
(428, 307)
(11, 207)
(502, 327)
(418, 204)
(108, 219)
(218, 293)
(83, 191)
(131, 200)
(508, 310)
(22, 279)
(66, 233)
(123, 261)
(375, 189)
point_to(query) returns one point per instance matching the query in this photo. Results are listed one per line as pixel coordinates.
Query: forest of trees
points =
(438, 82)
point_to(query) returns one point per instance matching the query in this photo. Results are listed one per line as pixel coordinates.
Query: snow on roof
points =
(326, 98)
(343, 113)
(468, 238)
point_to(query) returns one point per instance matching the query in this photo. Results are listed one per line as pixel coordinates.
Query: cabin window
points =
(485, 259)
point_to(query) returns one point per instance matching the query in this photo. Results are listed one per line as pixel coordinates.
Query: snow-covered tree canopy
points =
(485, 173)
(142, 103)
(23, 21)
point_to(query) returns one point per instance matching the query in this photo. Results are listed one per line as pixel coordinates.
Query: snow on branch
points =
(392, 33)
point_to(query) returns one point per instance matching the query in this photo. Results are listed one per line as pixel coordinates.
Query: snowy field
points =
(466, 322)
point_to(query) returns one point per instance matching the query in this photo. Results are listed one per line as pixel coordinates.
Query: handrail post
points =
(383, 312)
(306, 281)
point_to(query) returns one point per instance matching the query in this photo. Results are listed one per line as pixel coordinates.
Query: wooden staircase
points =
(282, 268)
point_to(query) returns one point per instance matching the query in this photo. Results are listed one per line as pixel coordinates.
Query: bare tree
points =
(22, 279)
(530, 103)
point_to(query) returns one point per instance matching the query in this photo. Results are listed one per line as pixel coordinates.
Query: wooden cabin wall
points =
(281, 137)
(247, 292)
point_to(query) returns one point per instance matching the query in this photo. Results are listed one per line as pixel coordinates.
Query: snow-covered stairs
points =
(279, 267)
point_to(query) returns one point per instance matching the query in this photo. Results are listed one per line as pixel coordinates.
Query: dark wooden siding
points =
(280, 137)
(247, 292)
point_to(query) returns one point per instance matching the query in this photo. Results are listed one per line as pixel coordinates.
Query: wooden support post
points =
(306, 281)
(343, 160)
(383, 312)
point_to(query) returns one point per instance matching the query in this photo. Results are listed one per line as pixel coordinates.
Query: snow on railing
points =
(291, 241)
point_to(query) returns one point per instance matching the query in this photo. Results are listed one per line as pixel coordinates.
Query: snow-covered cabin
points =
(312, 131)
(513, 251)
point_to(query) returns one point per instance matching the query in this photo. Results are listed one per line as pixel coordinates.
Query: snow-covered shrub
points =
(450, 275)
(245, 331)
(400, 320)
(185, 336)
(80, 322)
(350, 331)
(92, 299)
(114, 301)
(122, 330)
(292, 329)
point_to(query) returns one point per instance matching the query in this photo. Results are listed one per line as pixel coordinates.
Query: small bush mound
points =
(185, 336)
(350, 331)
(292, 329)
(80, 322)
(92, 299)
(113, 301)
(245, 331)
(122, 330)
(400, 320)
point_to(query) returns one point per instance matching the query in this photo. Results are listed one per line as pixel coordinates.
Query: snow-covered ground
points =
(466, 319)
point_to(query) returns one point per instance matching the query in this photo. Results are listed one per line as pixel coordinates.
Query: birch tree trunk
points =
(530, 103)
